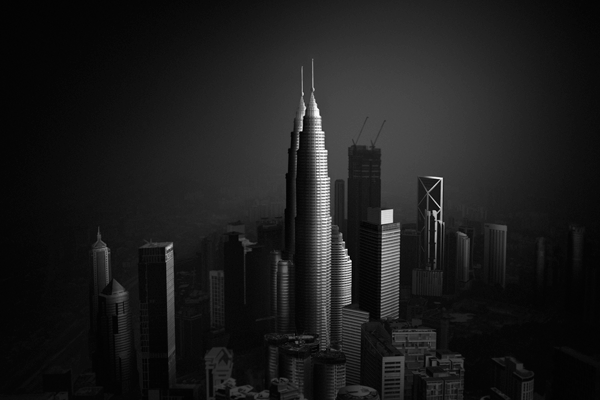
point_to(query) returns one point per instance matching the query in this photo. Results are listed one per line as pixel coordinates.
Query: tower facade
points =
(115, 339)
(341, 282)
(380, 264)
(352, 319)
(101, 275)
(217, 299)
(430, 225)
(364, 191)
(339, 205)
(156, 272)
(329, 372)
(494, 254)
(312, 256)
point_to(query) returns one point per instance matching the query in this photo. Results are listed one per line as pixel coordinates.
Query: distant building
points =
(270, 233)
(364, 191)
(382, 364)
(217, 299)
(494, 254)
(329, 374)
(456, 275)
(510, 378)
(470, 232)
(284, 296)
(427, 282)
(409, 259)
(339, 205)
(157, 316)
(341, 283)
(430, 225)
(115, 340)
(380, 264)
(352, 319)
(101, 274)
(218, 366)
(192, 324)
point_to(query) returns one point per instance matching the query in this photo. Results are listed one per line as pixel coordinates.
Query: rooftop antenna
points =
(377, 137)
(302, 80)
(361, 129)
(313, 74)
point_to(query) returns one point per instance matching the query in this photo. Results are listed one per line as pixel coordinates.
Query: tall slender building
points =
(312, 256)
(494, 254)
(430, 225)
(101, 275)
(156, 274)
(380, 264)
(339, 205)
(290, 177)
(341, 282)
(364, 191)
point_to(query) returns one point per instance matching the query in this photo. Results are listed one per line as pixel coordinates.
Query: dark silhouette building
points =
(116, 355)
(101, 275)
(339, 205)
(156, 274)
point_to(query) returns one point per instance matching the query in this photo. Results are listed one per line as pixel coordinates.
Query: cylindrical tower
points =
(313, 229)
(341, 283)
(115, 339)
(295, 364)
(329, 374)
(357, 392)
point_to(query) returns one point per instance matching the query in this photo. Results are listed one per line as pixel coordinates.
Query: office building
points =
(101, 274)
(380, 264)
(192, 324)
(218, 364)
(341, 282)
(312, 257)
(271, 344)
(427, 282)
(270, 233)
(115, 340)
(436, 383)
(284, 312)
(339, 205)
(409, 259)
(364, 191)
(157, 316)
(382, 364)
(257, 291)
(357, 392)
(290, 177)
(217, 300)
(236, 289)
(494, 254)
(470, 232)
(295, 364)
(456, 275)
(510, 378)
(430, 225)
(274, 258)
(352, 319)
(329, 374)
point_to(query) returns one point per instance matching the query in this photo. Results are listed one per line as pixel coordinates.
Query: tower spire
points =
(302, 80)
(98, 235)
(313, 73)
(311, 109)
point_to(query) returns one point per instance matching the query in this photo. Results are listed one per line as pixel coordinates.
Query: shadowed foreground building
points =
(352, 320)
(329, 373)
(101, 274)
(510, 378)
(156, 276)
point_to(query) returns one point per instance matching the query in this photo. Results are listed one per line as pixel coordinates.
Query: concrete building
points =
(352, 319)
(382, 364)
(380, 264)
(156, 274)
(295, 364)
(341, 283)
(217, 300)
(494, 254)
(427, 282)
(329, 374)
(510, 378)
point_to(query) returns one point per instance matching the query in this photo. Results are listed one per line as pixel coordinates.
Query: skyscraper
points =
(341, 282)
(290, 177)
(156, 274)
(352, 319)
(364, 191)
(313, 228)
(115, 339)
(329, 373)
(380, 264)
(339, 205)
(430, 225)
(101, 275)
(217, 300)
(494, 254)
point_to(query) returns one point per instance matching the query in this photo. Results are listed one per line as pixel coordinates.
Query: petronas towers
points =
(309, 235)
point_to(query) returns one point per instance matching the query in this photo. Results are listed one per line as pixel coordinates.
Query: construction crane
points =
(361, 129)
(377, 137)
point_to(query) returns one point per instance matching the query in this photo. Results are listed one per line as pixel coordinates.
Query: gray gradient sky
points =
(472, 91)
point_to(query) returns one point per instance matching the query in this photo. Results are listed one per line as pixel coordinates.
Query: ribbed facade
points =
(115, 339)
(494, 254)
(430, 225)
(156, 276)
(352, 320)
(463, 257)
(272, 342)
(274, 258)
(313, 229)
(341, 282)
(427, 282)
(329, 371)
(380, 265)
(101, 275)
(295, 364)
(283, 297)
(217, 299)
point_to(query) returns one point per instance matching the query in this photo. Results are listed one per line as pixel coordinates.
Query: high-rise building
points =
(427, 282)
(283, 297)
(409, 259)
(156, 274)
(234, 260)
(364, 191)
(329, 374)
(576, 268)
(456, 275)
(274, 258)
(270, 233)
(382, 365)
(290, 177)
(352, 319)
(115, 339)
(217, 300)
(380, 264)
(510, 378)
(470, 232)
(257, 293)
(430, 225)
(339, 205)
(312, 257)
(101, 275)
(295, 363)
(341, 282)
(494, 254)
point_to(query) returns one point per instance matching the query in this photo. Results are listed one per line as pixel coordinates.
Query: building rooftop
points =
(152, 244)
(113, 287)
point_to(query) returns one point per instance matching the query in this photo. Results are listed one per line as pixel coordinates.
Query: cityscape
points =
(392, 201)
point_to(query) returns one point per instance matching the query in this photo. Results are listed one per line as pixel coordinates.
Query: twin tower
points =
(322, 280)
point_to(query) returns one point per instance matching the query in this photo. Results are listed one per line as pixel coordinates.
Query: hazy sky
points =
(110, 98)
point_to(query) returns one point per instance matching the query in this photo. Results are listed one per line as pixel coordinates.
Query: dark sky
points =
(107, 99)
